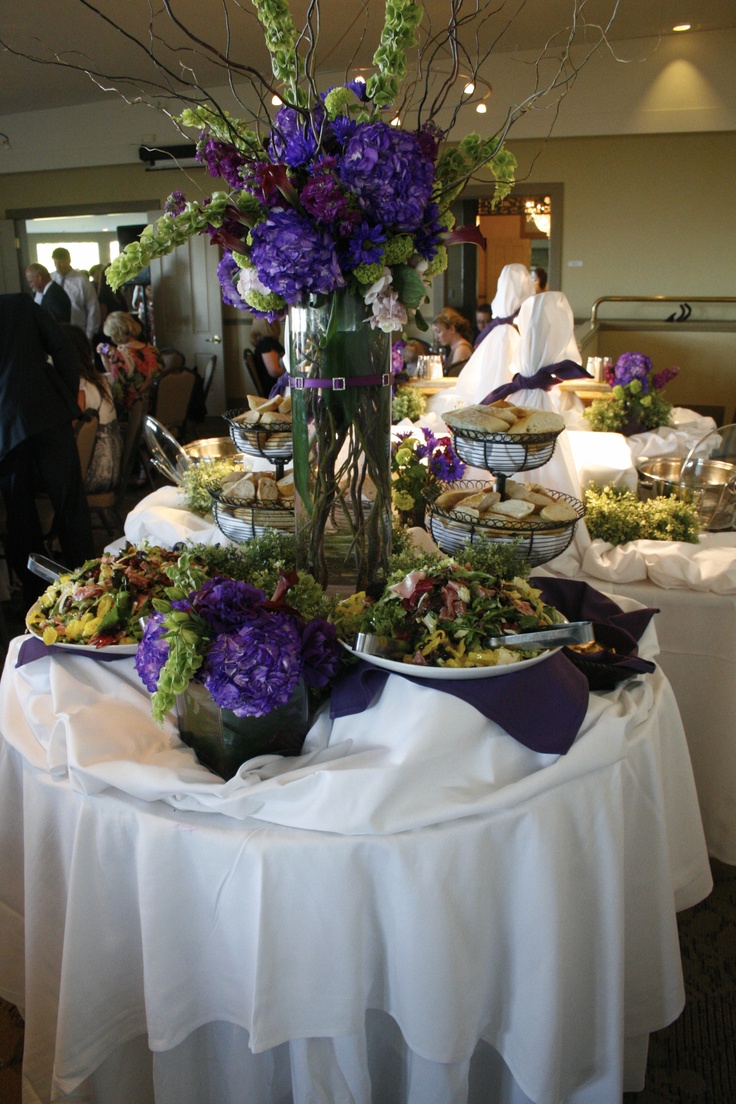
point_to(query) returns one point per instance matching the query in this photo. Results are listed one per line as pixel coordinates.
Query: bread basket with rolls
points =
(248, 504)
(263, 428)
(540, 520)
(503, 437)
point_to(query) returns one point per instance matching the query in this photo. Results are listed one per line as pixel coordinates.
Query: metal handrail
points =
(657, 299)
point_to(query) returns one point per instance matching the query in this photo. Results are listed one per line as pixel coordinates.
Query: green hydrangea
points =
(266, 304)
(367, 274)
(398, 249)
(438, 263)
(408, 402)
(336, 100)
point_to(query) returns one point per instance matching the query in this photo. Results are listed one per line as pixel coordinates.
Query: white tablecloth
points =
(694, 587)
(377, 920)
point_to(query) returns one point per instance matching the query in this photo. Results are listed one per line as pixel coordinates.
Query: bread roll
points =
(559, 511)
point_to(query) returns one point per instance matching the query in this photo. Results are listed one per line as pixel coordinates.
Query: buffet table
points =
(417, 909)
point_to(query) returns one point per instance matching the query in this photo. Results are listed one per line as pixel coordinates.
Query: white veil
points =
(494, 361)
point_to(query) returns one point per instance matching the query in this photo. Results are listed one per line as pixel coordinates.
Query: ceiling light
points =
(469, 88)
(682, 27)
(538, 211)
(481, 109)
(360, 79)
(396, 121)
(276, 100)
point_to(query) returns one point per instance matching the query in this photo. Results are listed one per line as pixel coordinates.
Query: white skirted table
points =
(694, 588)
(417, 910)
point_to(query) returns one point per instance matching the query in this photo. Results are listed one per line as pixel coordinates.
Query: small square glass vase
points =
(223, 742)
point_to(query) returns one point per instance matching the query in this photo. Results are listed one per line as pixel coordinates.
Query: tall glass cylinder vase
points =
(341, 420)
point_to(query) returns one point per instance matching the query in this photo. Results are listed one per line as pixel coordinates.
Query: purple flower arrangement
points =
(636, 402)
(248, 651)
(417, 463)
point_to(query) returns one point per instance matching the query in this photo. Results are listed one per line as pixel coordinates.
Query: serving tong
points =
(45, 568)
(553, 636)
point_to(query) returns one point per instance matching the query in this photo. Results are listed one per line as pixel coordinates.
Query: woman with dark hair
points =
(267, 353)
(132, 363)
(453, 331)
(95, 393)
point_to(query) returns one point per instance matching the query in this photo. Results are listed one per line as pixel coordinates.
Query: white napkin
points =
(676, 440)
(709, 565)
(162, 518)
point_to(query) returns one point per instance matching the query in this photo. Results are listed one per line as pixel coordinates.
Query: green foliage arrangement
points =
(617, 515)
(636, 401)
(201, 479)
(408, 402)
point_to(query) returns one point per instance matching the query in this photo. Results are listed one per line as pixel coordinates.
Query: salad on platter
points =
(444, 614)
(101, 604)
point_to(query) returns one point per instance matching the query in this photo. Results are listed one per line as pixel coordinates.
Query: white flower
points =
(248, 281)
(388, 312)
(379, 287)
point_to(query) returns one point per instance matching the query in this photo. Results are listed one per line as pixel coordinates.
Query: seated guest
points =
(267, 353)
(413, 349)
(453, 331)
(47, 293)
(95, 393)
(133, 364)
(483, 318)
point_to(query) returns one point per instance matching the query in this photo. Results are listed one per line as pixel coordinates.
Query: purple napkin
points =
(613, 628)
(511, 700)
(33, 648)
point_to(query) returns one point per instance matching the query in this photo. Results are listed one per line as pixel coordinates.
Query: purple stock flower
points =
(322, 196)
(255, 669)
(397, 356)
(387, 171)
(631, 366)
(364, 246)
(661, 379)
(153, 651)
(293, 256)
(176, 202)
(430, 138)
(221, 159)
(228, 273)
(227, 604)
(427, 237)
(320, 652)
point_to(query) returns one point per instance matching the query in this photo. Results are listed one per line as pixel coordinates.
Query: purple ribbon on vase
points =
(508, 321)
(543, 380)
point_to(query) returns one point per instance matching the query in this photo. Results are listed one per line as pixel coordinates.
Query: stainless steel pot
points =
(210, 448)
(710, 484)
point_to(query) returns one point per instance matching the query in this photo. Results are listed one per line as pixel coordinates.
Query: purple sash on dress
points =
(543, 380)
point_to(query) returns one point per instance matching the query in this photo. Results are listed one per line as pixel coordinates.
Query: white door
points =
(188, 309)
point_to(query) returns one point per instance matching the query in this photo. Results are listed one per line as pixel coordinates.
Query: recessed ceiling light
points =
(682, 27)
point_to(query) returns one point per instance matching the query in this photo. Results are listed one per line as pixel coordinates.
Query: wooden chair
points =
(173, 358)
(107, 505)
(251, 370)
(170, 403)
(86, 436)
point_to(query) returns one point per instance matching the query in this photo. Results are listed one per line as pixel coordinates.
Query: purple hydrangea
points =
(255, 669)
(427, 237)
(228, 273)
(397, 356)
(294, 256)
(320, 652)
(228, 604)
(153, 651)
(295, 137)
(631, 366)
(390, 175)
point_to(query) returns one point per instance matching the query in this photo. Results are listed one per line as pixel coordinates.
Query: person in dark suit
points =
(38, 450)
(48, 294)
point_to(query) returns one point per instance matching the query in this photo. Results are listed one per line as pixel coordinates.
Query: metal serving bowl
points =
(710, 484)
(210, 448)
